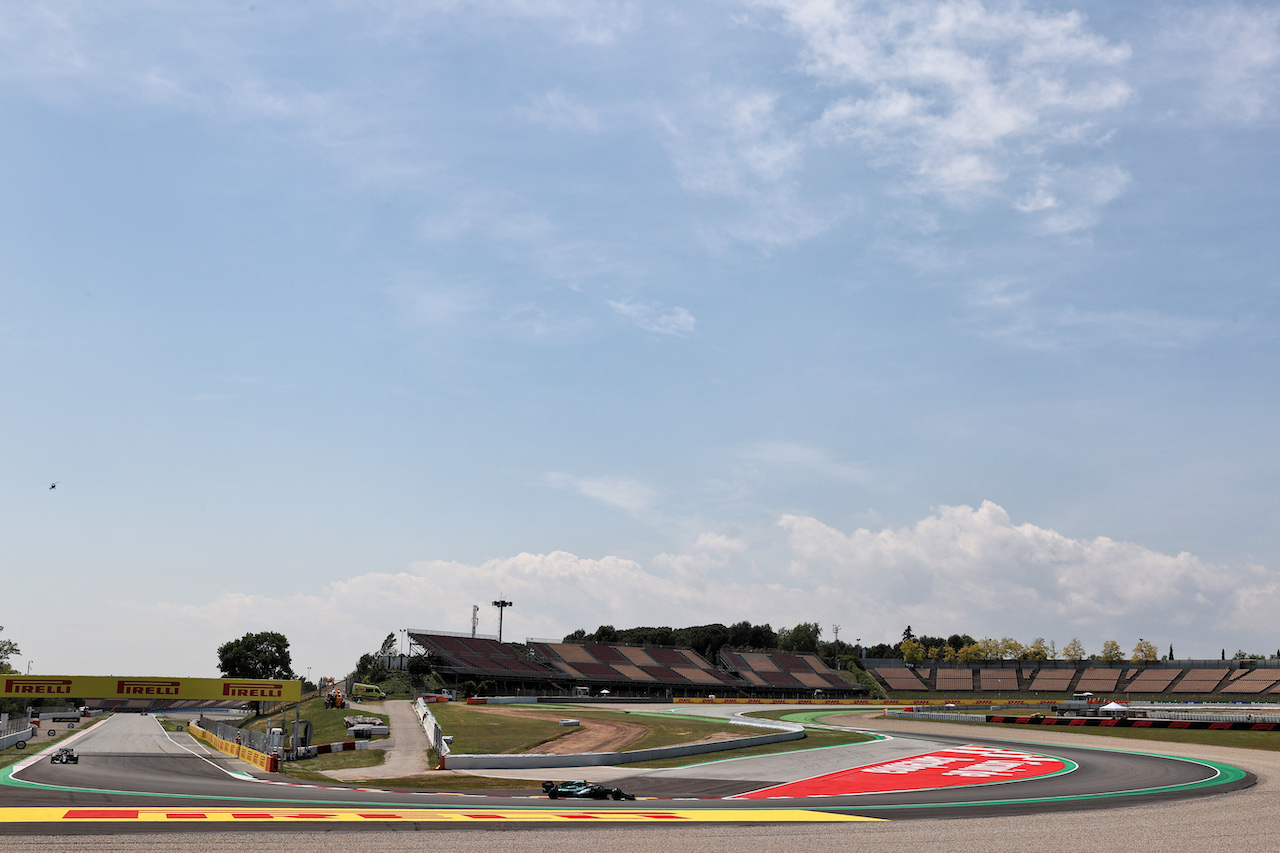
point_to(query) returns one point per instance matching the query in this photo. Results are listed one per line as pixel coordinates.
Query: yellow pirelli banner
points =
(115, 687)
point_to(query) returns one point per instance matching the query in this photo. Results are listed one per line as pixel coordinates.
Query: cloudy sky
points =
(337, 318)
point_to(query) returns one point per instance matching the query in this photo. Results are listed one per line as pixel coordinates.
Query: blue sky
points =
(338, 318)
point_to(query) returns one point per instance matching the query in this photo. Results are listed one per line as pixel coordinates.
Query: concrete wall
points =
(13, 737)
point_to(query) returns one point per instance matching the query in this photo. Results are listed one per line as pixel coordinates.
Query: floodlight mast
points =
(502, 604)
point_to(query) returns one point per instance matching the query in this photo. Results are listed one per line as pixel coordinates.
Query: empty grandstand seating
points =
(1053, 680)
(1200, 681)
(646, 665)
(784, 670)
(954, 679)
(998, 679)
(898, 678)
(478, 656)
(1098, 680)
(1152, 680)
(1256, 681)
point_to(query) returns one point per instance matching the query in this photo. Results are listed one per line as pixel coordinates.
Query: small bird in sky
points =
(54, 484)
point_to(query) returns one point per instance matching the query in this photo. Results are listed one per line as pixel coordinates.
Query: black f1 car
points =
(584, 791)
(66, 755)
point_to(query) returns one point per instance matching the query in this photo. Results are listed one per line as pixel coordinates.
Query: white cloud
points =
(795, 457)
(961, 99)
(625, 493)
(1012, 312)
(974, 570)
(959, 569)
(674, 321)
(1226, 56)
(562, 111)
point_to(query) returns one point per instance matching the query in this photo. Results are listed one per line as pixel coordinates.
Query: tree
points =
(7, 649)
(802, 638)
(1074, 650)
(912, 652)
(261, 655)
(908, 634)
(388, 647)
(1038, 650)
(1111, 652)
(989, 649)
(1145, 652)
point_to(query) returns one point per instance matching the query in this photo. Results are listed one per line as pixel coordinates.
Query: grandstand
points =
(1245, 678)
(1099, 680)
(1152, 680)
(1053, 680)
(631, 665)
(950, 680)
(547, 667)
(460, 655)
(897, 678)
(1200, 681)
(1253, 681)
(785, 670)
(998, 679)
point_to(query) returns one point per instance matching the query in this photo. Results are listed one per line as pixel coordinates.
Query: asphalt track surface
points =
(134, 777)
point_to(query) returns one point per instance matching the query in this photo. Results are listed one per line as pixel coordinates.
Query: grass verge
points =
(482, 730)
(814, 739)
(313, 769)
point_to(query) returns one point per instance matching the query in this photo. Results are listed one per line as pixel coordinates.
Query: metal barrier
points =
(259, 741)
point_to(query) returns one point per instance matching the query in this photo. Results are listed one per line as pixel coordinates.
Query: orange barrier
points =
(269, 763)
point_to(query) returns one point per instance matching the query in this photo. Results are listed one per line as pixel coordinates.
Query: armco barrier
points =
(787, 731)
(435, 735)
(269, 763)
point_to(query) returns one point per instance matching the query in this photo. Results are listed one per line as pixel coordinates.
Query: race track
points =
(133, 776)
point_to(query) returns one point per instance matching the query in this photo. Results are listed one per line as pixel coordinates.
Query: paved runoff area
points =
(979, 790)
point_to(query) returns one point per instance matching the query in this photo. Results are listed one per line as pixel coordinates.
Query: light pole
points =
(502, 604)
(28, 666)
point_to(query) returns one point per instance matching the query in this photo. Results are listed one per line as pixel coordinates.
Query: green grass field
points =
(313, 769)
(477, 731)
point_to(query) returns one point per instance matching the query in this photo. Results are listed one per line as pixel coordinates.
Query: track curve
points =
(130, 765)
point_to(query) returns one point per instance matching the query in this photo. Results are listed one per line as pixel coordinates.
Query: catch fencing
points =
(259, 741)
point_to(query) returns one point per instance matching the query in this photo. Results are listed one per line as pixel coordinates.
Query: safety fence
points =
(941, 716)
(1217, 722)
(877, 703)
(267, 742)
(1239, 724)
(262, 760)
(1249, 717)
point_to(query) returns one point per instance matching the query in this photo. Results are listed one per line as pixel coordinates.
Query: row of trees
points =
(707, 640)
(969, 650)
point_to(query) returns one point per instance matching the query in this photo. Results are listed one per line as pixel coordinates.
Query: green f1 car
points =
(584, 791)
